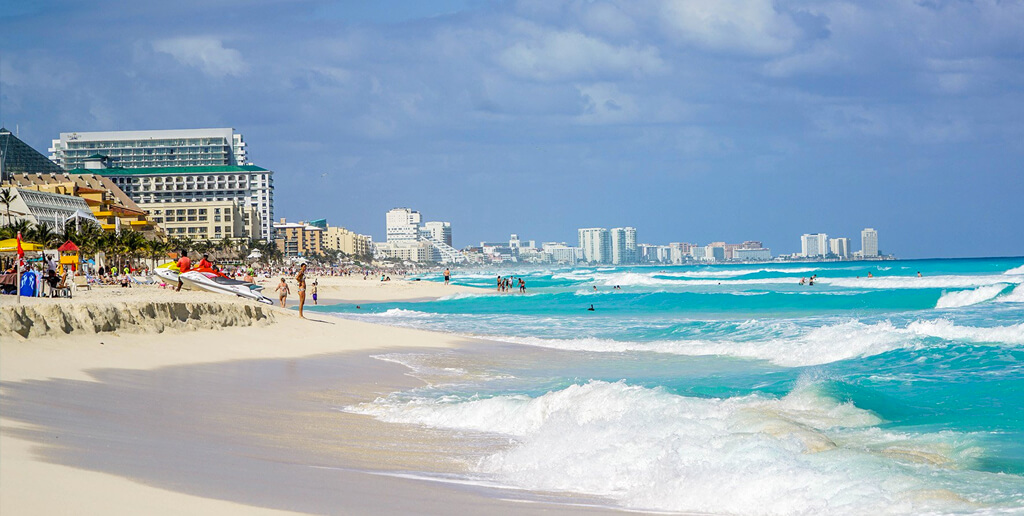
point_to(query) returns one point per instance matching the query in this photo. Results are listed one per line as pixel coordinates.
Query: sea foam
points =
(820, 345)
(969, 297)
(805, 453)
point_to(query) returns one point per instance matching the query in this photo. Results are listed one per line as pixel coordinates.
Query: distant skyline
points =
(695, 121)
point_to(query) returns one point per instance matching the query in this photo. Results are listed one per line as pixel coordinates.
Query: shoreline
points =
(52, 384)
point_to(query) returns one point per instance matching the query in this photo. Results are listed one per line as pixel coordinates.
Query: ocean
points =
(733, 389)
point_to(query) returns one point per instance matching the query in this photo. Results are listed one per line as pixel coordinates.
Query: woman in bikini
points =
(282, 291)
(300, 279)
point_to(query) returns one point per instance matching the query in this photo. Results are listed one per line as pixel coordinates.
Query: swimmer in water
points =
(591, 309)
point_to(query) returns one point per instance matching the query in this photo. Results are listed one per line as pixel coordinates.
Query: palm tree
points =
(6, 198)
(156, 249)
(22, 226)
(44, 235)
(133, 244)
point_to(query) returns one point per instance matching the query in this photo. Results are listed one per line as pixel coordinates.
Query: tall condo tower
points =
(869, 242)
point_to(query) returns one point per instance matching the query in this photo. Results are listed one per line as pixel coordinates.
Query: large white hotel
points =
(160, 170)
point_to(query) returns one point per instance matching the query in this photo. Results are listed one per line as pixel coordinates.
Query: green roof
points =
(121, 171)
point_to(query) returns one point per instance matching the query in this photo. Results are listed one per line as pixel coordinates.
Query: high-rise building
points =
(623, 244)
(596, 244)
(439, 231)
(840, 247)
(348, 242)
(147, 149)
(403, 225)
(869, 243)
(813, 245)
(298, 238)
(249, 187)
(714, 253)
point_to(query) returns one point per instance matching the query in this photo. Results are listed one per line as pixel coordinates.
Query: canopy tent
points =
(81, 215)
(11, 245)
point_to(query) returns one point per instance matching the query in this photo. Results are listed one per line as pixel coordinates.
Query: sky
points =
(693, 121)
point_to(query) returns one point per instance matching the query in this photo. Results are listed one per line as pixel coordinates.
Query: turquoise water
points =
(734, 389)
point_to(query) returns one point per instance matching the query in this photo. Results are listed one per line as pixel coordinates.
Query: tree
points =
(6, 198)
(42, 234)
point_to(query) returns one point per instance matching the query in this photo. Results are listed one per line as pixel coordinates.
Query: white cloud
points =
(743, 26)
(572, 55)
(206, 53)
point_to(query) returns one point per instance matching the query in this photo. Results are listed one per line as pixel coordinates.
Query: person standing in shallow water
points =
(300, 280)
(447, 275)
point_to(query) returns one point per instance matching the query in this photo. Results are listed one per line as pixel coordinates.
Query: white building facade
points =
(839, 247)
(758, 254)
(596, 244)
(249, 186)
(813, 245)
(402, 225)
(869, 243)
(145, 149)
(439, 231)
(623, 245)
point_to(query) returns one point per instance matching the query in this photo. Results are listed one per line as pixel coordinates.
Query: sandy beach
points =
(156, 413)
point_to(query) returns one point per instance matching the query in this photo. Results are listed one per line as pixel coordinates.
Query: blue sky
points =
(696, 121)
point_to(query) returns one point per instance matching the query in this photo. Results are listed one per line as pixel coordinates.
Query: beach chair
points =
(63, 289)
(80, 282)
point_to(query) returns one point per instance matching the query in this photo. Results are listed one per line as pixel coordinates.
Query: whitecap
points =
(969, 297)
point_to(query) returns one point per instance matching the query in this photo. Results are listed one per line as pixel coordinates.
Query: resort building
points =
(839, 247)
(813, 245)
(438, 231)
(250, 187)
(206, 220)
(745, 254)
(562, 253)
(50, 209)
(405, 236)
(623, 245)
(150, 149)
(869, 243)
(107, 203)
(596, 244)
(415, 251)
(402, 225)
(296, 239)
(348, 242)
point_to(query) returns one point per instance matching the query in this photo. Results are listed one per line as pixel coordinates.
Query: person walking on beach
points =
(314, 291)
(282, 291)
(447, 275)
(300, 279)
(184, 264)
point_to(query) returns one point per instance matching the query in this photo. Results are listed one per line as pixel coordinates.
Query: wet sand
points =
(236, 420)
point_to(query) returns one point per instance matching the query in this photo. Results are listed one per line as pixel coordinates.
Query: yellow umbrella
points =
(11, 245)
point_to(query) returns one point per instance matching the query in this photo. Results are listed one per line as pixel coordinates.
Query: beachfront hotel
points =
(869, 243)
(249, 187)
(623, 245)
(45, 188)
(408, 239)
(813, 245)
(616, 246)
(147, 149)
